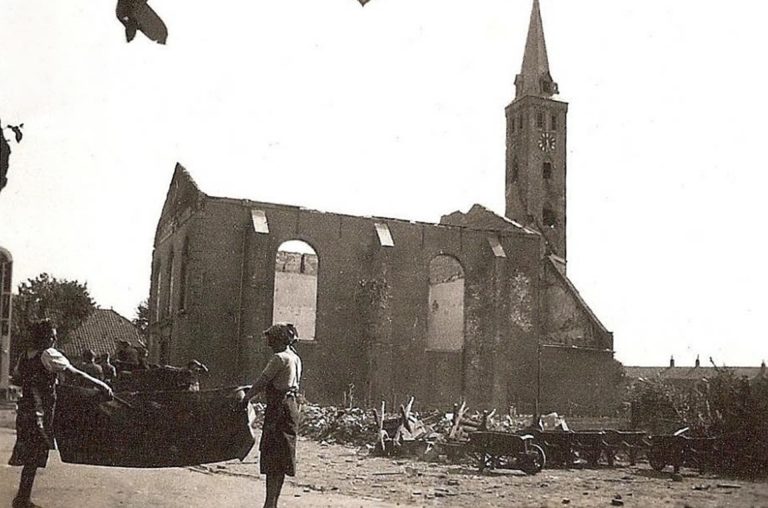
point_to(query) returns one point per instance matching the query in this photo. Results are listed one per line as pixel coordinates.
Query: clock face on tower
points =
(547, 142)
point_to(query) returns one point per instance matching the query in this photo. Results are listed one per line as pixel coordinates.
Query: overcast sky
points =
(397, 110)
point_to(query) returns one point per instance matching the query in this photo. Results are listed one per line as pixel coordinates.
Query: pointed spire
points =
(534, 78)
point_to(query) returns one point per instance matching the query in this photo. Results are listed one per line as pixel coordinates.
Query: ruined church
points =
(476, 307)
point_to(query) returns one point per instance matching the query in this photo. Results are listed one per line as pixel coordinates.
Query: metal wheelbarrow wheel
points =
(534, 460)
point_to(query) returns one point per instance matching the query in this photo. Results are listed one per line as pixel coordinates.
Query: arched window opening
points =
(183, 275)
(168, 305)
(164, 352)
(164, 355)
(546, 170)
(295, 295)
(445, 322)
(549, 218)
(158, 276)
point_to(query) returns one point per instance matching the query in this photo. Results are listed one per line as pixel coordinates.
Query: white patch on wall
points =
(496, 247)
(259, 220)
(521, 308)
(384, 235)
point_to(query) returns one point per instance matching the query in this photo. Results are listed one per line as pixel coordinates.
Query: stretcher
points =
(152, 428)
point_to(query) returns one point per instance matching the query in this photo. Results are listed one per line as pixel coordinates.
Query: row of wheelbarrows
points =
(533, 448)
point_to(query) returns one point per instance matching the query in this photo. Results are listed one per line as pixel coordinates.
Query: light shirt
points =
(283, 370)
(54, 361)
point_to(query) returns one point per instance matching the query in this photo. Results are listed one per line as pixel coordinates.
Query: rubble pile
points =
(331, 424)
(403, 433)
(337, 425)
(440, 421)
(507, 423)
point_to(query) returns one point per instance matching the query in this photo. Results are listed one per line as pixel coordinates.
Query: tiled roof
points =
(100, 332)
(683, 373)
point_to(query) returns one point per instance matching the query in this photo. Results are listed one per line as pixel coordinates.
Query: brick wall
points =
(373, 302)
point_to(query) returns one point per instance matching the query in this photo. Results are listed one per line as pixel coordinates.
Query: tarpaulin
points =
(151, 429)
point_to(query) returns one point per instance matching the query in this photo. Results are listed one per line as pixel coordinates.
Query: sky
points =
(397, 110)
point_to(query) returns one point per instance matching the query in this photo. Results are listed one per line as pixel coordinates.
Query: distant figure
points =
(110, 373)
(143, 355)
(196, 368)
(89, 365)
(280, 380)
(36, 373)
(127, 356)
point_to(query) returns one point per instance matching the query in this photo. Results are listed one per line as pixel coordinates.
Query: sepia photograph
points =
(378, 253)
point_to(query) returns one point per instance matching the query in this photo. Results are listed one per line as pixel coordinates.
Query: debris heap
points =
(349, 426)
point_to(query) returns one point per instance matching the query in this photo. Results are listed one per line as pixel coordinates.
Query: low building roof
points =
(100, 332)
(686, 373)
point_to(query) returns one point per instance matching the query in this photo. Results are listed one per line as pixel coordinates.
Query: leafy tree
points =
(141, 321)
(67, 303)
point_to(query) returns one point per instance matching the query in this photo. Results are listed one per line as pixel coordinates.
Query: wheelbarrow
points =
(503, 450)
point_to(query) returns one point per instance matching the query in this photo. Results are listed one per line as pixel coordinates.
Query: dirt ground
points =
(333, 475)
(349, 471)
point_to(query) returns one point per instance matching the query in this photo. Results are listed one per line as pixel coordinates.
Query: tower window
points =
(512, 126)
(519, 121)
(540, 120)
(549, 218)
(546, 170)
(554, 122)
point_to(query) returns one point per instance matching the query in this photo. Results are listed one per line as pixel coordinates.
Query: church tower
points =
(536, 135)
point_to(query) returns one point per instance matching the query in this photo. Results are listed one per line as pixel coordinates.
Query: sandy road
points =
(339, 476)
(75, 486)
